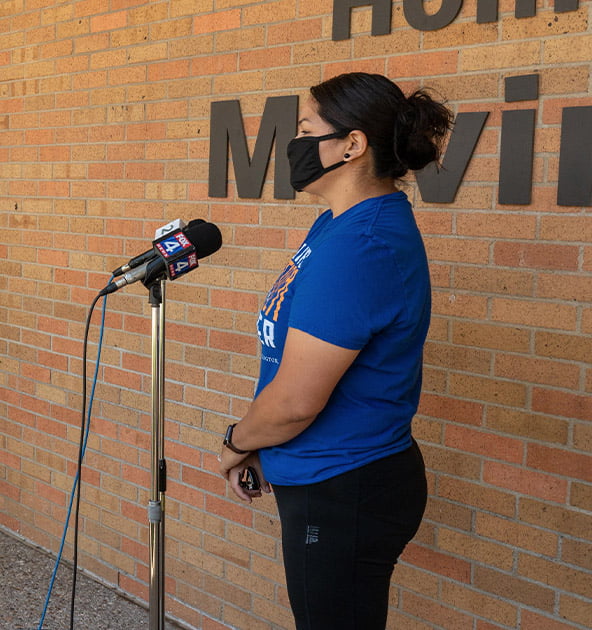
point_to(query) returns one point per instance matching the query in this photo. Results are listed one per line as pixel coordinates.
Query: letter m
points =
(279, 121)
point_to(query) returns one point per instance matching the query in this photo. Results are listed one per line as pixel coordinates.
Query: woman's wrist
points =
(229, 441)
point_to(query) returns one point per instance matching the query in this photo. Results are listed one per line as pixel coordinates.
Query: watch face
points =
(228, 440)
(228, 436)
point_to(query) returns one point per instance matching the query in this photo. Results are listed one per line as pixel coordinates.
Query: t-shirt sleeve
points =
(349, 289)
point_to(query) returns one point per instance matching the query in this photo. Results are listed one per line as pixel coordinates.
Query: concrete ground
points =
(25, 573)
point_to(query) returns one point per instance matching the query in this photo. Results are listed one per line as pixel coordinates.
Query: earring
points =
(346, 156)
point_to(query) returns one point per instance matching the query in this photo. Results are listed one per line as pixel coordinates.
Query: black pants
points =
(341, 539)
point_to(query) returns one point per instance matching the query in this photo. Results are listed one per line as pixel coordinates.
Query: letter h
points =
(381, 17)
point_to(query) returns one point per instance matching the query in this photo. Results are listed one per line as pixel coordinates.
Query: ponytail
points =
(420, 129)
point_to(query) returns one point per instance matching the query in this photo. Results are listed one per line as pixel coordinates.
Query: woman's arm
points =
(309, 371)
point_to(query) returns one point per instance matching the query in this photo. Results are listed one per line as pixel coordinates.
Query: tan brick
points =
(457, 250)
(423, 63)
(516, 534)
(460, 464)
(159, 11)
(476, 495)
(447, 513)
(563, 80)
(536, 314)
(582, 437)
(567, 49)
(314, 7)
(467, 546)
(457, 304)
(575, 610)
(320, 51)
(571, 287)
(578, 553)
(514, 589)
(563, 346)
(244, 39)
(269, 12)
(435, 612)
(294, 31)
(493, 336)
(398, 42)
(571, 229)
(554, 574)
(440, 276)
(537, 370)
(555, 518)
(238, 83)
(465, 87)
(292, 77)
(249, 60)
(500, 56)
(459, 35)
(488, 390)
(494, 280)
(149, 52)
(545, 25)
(457, 358)
(500, 225)
(553, 109)
(478, 604)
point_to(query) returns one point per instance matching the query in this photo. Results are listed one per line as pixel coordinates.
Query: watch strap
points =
(228, 441)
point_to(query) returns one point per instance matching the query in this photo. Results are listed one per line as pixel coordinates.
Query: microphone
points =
(173, 255)
(136, 261)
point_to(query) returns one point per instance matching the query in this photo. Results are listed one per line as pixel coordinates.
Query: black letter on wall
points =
(563, 6)
(517, 141)
(486, 11)
(381, 17)
(279, 120)
(439, 185)
(575, 158)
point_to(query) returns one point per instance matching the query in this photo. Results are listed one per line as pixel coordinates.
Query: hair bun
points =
(420, 129)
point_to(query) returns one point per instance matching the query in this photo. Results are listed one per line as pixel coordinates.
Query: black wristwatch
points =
(228, 440)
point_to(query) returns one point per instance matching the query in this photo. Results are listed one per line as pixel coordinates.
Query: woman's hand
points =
(229, 460)
(236, 472)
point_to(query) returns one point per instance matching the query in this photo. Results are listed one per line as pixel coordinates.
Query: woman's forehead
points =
(309, 112)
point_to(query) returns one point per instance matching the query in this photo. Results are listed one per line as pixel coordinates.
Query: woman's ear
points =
(357, 145)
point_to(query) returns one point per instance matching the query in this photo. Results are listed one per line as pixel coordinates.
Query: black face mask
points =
(305, 162)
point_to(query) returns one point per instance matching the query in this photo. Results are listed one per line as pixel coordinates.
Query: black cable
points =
(80, 458)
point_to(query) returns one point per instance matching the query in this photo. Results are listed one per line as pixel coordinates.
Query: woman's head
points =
(403, 133)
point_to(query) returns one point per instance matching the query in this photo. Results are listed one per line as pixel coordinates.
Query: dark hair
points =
(404, 133)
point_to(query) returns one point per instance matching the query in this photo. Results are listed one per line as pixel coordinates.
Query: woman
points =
(342, 335)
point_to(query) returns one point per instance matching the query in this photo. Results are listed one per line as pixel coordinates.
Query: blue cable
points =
(75, 484)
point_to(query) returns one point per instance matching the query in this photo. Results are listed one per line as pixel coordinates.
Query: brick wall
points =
(104, 136)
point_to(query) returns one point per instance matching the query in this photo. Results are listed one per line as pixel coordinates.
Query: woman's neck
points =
(342, 199)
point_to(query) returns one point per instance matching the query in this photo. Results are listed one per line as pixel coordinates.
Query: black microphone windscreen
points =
(205, 237)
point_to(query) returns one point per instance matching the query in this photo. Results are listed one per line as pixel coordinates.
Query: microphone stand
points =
(156, 505)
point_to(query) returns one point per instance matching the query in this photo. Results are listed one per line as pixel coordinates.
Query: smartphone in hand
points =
(249, 480)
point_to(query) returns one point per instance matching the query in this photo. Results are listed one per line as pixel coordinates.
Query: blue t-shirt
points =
(359, 281)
